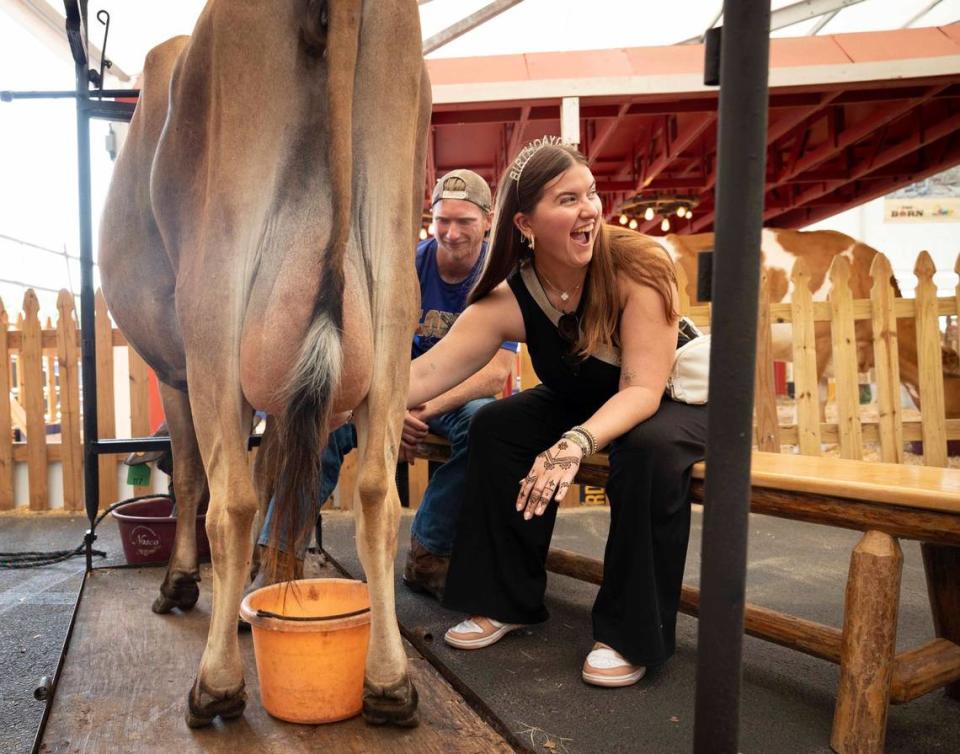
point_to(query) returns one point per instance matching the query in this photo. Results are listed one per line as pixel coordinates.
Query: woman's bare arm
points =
(469, 345)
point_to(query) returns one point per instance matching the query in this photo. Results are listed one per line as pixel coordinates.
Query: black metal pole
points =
(742, 139)
(88, 359)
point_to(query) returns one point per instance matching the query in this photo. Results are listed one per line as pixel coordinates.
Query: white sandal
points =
(470, 634)
(606, 667)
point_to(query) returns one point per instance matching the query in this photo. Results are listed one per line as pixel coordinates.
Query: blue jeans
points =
(435, 524)
(340, 442)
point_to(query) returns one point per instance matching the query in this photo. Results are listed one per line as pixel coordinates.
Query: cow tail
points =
(302, 429)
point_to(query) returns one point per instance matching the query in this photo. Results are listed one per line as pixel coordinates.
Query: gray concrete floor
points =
(531, 680)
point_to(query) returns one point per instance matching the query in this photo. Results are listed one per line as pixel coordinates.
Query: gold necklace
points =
(564, 295)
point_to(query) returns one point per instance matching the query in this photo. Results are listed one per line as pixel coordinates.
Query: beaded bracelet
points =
(578, 439)
(589, 435)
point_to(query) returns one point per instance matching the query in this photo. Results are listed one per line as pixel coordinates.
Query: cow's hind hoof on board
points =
(182, 593)
(393, 705)
(203, 707)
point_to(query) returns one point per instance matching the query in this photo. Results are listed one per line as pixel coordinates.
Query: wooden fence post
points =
(31, 384)
(766, 420)
(106, 415)
(805, 384)
(68, 358)
(49, 359)
(930, 364)
(6, 429)
(844, 353)
(886, 360)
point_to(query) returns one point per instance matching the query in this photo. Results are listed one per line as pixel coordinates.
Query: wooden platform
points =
(126, 675)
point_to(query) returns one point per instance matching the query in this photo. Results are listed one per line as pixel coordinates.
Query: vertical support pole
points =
(88, 358)
(742, 138)
(570, 120)
(868, 646)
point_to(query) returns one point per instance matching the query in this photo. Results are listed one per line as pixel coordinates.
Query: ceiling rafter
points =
(849, 136)
(469, 23)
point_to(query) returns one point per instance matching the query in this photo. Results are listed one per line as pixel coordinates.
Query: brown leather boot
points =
(424, 571)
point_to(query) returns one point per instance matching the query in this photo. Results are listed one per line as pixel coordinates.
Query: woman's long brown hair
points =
(615, 250)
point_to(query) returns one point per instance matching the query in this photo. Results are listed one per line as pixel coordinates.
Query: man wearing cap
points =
(448, 264)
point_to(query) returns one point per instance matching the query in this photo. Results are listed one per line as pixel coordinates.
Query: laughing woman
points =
(596, 305)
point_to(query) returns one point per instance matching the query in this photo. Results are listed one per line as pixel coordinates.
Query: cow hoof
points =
(203, 707)
(393, 705)
(181, 592)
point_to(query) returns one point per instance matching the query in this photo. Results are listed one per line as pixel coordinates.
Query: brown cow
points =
(818, 248)
(255, 250)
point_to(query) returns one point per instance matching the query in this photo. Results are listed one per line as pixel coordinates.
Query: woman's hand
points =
(549, 478)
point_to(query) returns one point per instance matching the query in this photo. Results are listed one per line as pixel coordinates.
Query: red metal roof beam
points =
(844, 139)
(917, 140)
(672, 147)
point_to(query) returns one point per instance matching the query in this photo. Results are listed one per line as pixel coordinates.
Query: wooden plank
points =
(105, 706)
(829, 433)
(904, 308)
(766, 424)
(956, 269)
(806, 385)
(942, 568)
(683, 298)
(886, 360)
(921, 670)
(844, 351)
(786, 630)
(925, 487)
(68, 358)
(869, 643)
(31, 384)
(930, 364)
(528, 377)
(6, 428)
(139, 402)
(417, 477)
(106, 416)
(345, 492)
(49, 360)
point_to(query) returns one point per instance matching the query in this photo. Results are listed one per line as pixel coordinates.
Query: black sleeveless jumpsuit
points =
(498, 569)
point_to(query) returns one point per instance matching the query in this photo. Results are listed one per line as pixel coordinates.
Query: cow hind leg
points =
(389, 695)
(222, 420)
(179, 588)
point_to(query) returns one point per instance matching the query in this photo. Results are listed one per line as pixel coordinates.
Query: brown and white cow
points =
(255, 250)
(780, 249)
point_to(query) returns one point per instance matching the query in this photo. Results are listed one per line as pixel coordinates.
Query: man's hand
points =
(414, 430)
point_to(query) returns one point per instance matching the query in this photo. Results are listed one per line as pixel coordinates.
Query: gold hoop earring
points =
(531, 241)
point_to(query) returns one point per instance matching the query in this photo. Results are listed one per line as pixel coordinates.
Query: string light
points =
(624, 219)
(633, 224)
(648, 214)
(665, 225)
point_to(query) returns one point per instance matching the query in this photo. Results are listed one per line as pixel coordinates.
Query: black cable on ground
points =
(34, 559)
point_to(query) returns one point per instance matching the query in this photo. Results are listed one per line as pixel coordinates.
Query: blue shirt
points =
(441, 302)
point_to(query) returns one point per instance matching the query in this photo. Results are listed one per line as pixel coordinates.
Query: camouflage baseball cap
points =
(466, 185)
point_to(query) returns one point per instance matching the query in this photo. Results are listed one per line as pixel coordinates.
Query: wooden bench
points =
(887, 502)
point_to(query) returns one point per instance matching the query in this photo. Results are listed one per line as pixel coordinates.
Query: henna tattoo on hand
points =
(563, 445)
(551, 461)
(564, 486)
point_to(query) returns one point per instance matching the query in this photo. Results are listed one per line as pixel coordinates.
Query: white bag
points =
(689, 378)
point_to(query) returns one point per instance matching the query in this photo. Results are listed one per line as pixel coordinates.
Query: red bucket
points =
(147, 530)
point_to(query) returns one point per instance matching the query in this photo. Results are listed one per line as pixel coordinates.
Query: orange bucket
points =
(310, 641)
